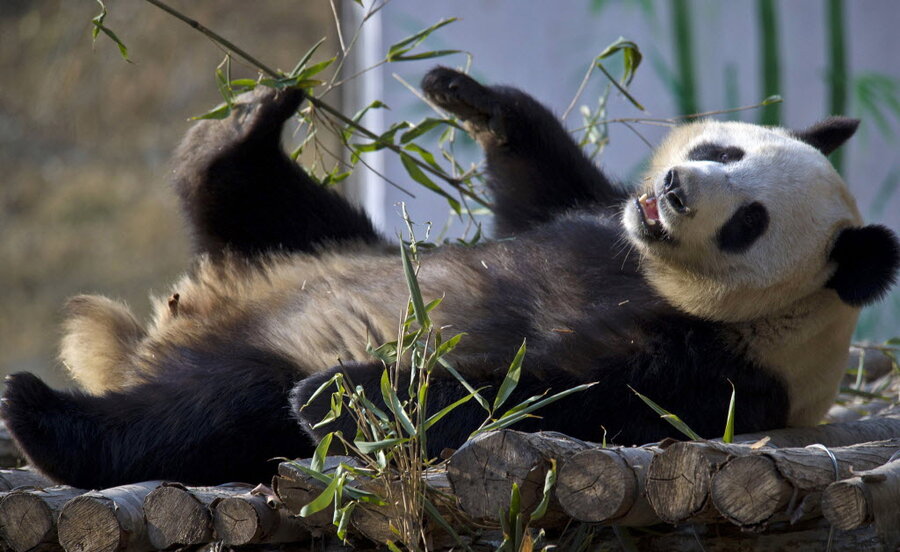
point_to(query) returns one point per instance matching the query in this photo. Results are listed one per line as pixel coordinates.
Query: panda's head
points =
(736, 221)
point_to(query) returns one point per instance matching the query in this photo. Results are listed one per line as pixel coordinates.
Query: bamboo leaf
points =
(325, 498)
(507, 421)
(435, 418)
(549, 481)
(512, 378)
(393, 402)
(318, 459)
(674, 420)
(416, 174)
(478, 398)
(221, 111)
(728, 437)
(99, 27)
(425, 55)
(414, 292)
(399, 48)
(306, 57)
(368, 447)
(421, 128)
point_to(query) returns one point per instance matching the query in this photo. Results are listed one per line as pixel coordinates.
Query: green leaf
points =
(631, 56)
(243, 83)
(306, 57)
(478, 398)
(305, 74)
(674, 420)
(728, 437)
(415, 293)
(325, 498)
(421, 128)
(549, 481)
(337, 380)
(368, 447)
(425, 55)
(512, 378)
(393, 402)
(446, 410)
(399, 48)
(342, 518)
(97, 21)
(773, 99)
(221, 111)
(318, 459)
(416, 173)
(507, 421)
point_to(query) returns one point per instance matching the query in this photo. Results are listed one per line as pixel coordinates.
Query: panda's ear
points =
(867, 260)
(828, 135)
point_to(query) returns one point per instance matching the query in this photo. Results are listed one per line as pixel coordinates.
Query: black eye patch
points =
(744, 227)
(714, 152)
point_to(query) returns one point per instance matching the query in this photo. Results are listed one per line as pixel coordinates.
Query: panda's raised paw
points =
(478, 106)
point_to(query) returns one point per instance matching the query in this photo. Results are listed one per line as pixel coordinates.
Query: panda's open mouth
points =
(648, 207)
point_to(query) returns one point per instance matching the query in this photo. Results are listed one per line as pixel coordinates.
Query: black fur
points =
(744, 227)
(714, 152)
(867, 262)
(536, 172)
(213, 415)
(828, 135)
(248, 197)
(218, 410)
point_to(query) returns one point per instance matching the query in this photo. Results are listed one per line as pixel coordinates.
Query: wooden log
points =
(295, 488)
(885, 426)
(106, 521)
(22, 477)
(483, 470)
(752, 490)
(28, 517)
(375, 522)
(679, 478)
(606, 485)
(870, 496)
(250, 518)
(179, 515)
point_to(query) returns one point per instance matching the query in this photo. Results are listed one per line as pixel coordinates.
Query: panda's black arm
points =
(241, 192)
(535, 169)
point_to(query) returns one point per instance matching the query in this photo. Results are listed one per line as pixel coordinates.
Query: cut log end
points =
(89, 524)
(845, 506)
(25, 521)
(595, 486)
(237, 522)
(678, 482)
(749, 490)
(174, 516)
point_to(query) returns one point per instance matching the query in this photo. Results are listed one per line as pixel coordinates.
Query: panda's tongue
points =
(651, 210)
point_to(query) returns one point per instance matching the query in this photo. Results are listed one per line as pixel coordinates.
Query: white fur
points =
(772, 295)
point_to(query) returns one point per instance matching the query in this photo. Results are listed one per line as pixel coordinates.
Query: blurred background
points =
(85, 136)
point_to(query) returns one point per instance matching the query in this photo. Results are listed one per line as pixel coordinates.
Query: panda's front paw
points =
(264, 110)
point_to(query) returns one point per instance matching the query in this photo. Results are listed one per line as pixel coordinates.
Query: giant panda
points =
(740, 257)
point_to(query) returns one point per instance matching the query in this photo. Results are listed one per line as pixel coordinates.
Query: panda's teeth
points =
(643, 198)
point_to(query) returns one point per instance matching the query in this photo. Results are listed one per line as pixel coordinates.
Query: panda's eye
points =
(714, 152)
(744, 227)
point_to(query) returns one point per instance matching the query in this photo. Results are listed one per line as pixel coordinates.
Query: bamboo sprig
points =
(317, 103)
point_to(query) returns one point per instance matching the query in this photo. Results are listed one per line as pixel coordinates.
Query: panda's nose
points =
(674, 194)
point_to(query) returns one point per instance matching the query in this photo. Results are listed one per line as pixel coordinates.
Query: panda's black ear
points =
(828, 135)
(867, 260)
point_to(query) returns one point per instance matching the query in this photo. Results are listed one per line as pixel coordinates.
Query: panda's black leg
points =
(535, 168)
(241, 192)
(204, 422)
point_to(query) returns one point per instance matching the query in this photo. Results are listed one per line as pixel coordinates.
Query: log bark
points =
(878, 428)
(252, 519)
(22, 477)
(296, 489)
(606, 485)
(179, 515)
(679, 479)
(787, 483)
(483, 470)
(870, 496)
(28, 517)
(106, 521)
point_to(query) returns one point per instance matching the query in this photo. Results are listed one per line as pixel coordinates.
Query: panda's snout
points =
(674, 194)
